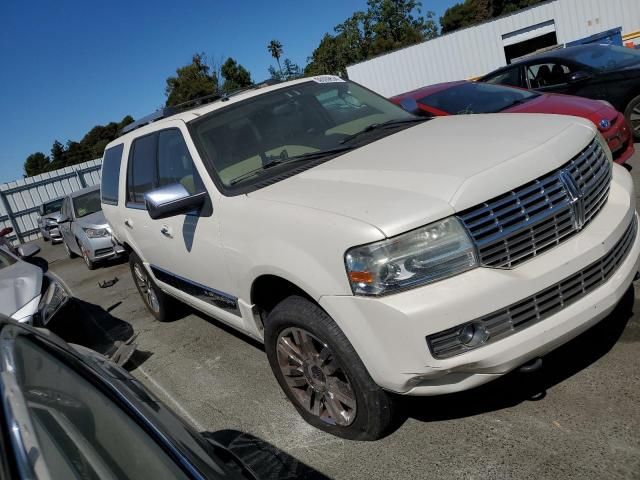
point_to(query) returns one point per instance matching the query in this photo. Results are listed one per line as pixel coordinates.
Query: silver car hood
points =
(93, 220)
(19, 284)
(56, 216)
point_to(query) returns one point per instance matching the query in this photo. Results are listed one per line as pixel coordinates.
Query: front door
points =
(553, 76)
(183, 252)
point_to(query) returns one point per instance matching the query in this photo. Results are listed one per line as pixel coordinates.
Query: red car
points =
(464, 97)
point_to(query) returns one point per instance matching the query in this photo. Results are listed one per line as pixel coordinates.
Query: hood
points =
(19, 284)
(437, 168)
(56, 216)
(565, 105)
(93, 220)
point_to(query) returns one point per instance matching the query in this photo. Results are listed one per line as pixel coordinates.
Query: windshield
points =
(87, 204)
(474, 97)
(52, 207)
(604, 57)
(290, 122)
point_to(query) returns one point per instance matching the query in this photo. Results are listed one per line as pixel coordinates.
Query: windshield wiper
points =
(378, 126)
(283, 159)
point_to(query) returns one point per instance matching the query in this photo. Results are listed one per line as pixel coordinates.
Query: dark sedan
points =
(600, 72)
(70, 413)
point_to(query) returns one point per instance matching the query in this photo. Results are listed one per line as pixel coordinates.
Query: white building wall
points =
(477, 50)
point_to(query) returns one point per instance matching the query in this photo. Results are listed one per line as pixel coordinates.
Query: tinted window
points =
(87, 204)
(508, 77)
(174, 162)
(111, 174)
(142, 168)
(604, 57)
(547, 74)
(81, 433)
(476, 98)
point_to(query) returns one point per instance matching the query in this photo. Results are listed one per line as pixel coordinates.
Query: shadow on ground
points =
(94, 327)
(266, 460)
(515, 388)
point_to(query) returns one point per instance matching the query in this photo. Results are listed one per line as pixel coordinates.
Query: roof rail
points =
(219, 95)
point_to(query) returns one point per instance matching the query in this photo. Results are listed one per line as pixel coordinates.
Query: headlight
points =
(96, 232)
(49, 221)
(54, 297)
(428, 254)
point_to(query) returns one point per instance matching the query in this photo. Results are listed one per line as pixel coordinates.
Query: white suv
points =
(373, 251)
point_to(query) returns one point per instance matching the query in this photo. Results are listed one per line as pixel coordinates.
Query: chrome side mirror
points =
(172, 200)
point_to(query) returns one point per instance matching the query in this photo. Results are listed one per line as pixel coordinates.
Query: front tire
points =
(159, 304)
(90, 265)
(70, 253)
(632, 114)
(321, 373)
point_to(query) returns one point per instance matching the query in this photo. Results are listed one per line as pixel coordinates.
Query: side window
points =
(547, 74)
(175, 164)
(111, 174)
(141, 172)
(507, 77)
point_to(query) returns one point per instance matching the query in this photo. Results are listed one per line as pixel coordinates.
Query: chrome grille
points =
(543, 304)
(527, 221)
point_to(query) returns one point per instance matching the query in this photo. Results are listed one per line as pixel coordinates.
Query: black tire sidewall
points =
(374, 406)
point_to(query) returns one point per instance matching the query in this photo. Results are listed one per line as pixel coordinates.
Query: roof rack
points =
(220, 95)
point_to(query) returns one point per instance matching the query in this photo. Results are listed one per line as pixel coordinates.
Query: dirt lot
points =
(579, 417)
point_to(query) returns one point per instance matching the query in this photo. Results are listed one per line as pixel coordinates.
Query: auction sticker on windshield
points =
(327, 79)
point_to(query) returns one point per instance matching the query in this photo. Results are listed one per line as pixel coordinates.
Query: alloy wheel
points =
(146, 287)
(315, 377)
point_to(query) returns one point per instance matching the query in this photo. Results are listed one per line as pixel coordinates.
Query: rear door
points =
(511, 76)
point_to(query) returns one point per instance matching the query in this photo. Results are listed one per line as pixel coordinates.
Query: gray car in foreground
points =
(85, 231)
(27, 294)
(48, 217)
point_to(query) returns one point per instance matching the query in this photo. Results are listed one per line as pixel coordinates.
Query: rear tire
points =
(321, 373)
(159, 304)
(632, 114)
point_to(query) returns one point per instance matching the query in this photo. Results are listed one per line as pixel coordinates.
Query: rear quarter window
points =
(111, 174)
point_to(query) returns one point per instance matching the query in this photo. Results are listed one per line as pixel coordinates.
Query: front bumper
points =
(389, 333)
(101, 248)
(52, 233)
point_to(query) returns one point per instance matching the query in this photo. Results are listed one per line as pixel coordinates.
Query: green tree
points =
(35, 164)
(57, 156)
(386, 25)
(275, 49)
(235, 76)
(472, 12)
(191, 81)
(291, 70)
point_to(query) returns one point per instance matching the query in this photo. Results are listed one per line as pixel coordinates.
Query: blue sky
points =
(67, 66)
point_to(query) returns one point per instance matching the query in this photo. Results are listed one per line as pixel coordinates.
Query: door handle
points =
(166, 231)
(128, 223)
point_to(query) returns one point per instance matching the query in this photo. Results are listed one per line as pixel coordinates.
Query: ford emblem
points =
(605, 124)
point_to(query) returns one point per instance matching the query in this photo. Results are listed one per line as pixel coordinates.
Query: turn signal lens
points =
(361, 277)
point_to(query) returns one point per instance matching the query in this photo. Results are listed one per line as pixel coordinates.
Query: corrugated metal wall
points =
(19, 200)
(478, 50)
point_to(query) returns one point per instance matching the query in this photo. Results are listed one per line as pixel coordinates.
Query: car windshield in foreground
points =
(303, 122)
(604, 57)
(52, 207)
(472, 97)
(87, 204)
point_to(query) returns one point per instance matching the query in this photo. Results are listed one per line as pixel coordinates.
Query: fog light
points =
(473, 334)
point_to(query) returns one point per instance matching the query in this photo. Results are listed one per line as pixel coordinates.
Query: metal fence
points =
(20, 199)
